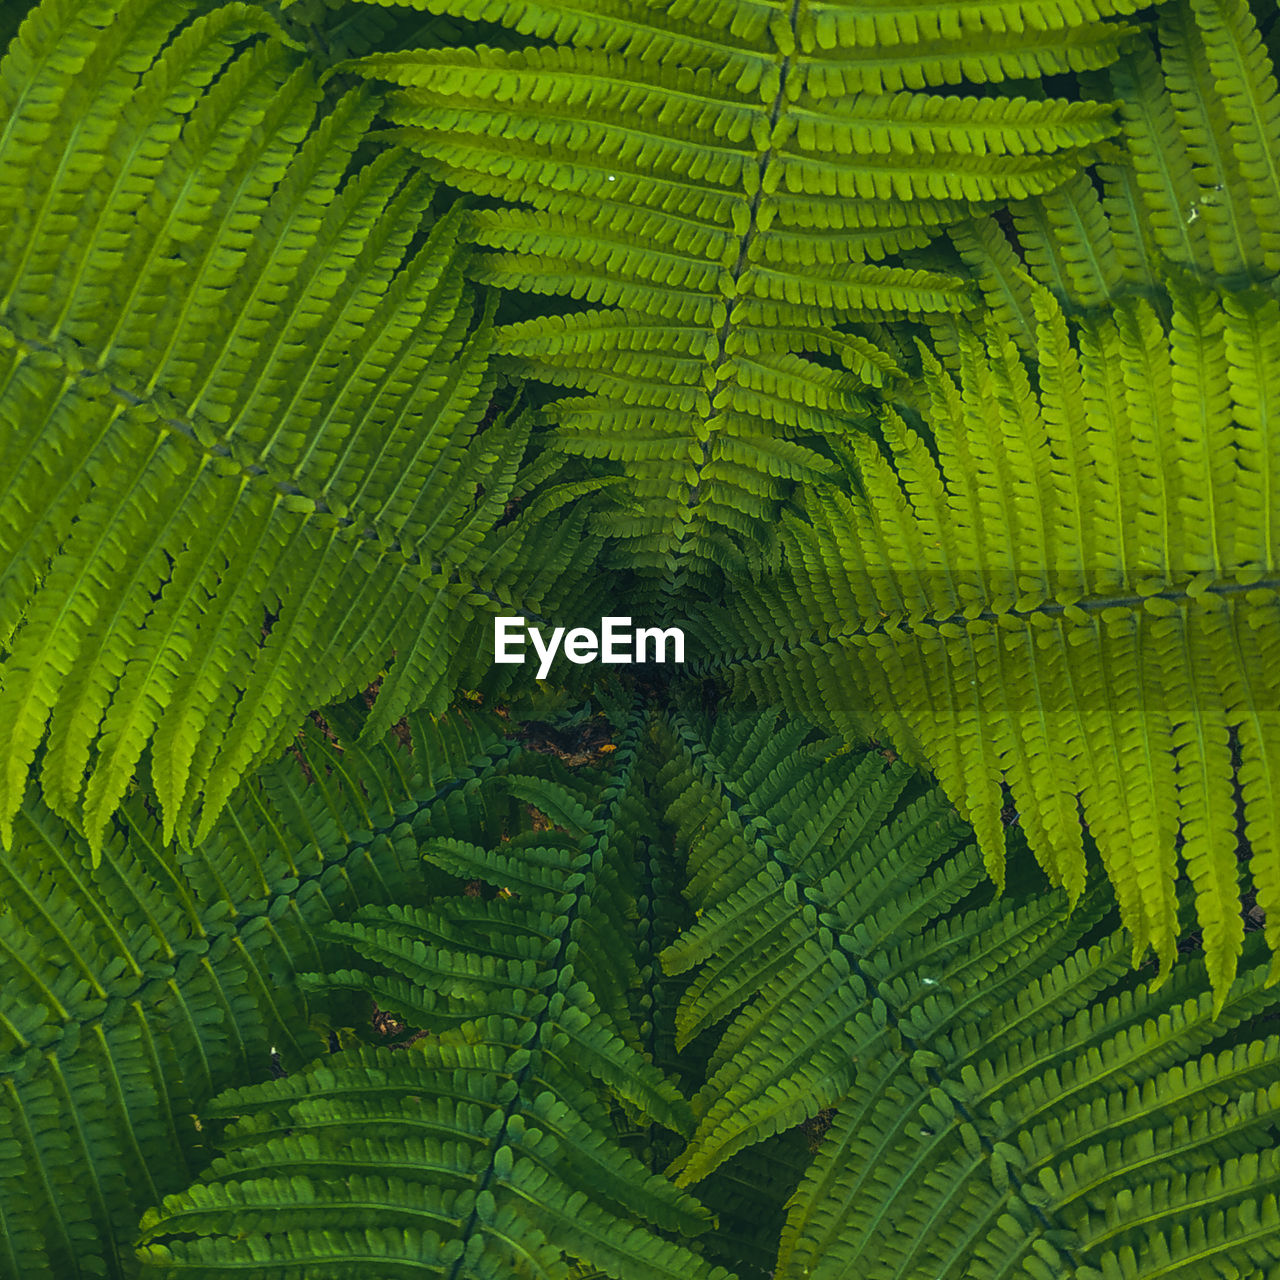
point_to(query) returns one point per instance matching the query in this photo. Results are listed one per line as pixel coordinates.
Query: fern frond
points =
(485, 1148)
(1201, 130)
(790, 1054)
(242, 389)
(1074, 598)
(1068, 243)
(716, 175)
(995, 1094)
(1192, 184)
(139, 986)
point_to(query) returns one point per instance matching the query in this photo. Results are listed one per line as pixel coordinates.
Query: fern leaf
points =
(1222, 199)
(1239, 63)
(712, 181)
(1068, 242)
(240, 410)
(996, 1095)
(138, 987)
(1085, 619)
(1191, 185)
(490, 1136)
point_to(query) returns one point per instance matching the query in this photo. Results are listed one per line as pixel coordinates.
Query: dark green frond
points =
(990, 1092)
(484, 1148)
(748, 1195)
(333, 30)
(136, 988)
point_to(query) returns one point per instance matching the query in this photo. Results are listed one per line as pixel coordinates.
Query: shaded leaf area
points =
(138, 987)
(990, 1091)
(896, 1074)
(486, 1148)
(334, 30)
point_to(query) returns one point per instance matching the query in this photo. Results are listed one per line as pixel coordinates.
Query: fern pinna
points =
(735, 183)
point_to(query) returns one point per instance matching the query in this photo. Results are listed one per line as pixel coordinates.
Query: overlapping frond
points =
(751, 800)
(484, 1147)
(729, 183)
(244, 456)
(426, 1003)
(136, 988)
(996, 1094)
(1194, 184)
(1070, 592)
(333, 30)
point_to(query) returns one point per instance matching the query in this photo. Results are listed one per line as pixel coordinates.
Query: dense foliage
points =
(919, 360)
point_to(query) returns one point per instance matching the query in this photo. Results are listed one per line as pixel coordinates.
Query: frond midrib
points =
(351, 526)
